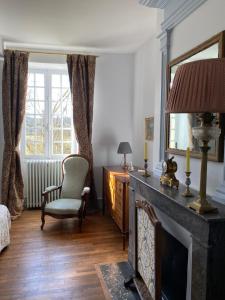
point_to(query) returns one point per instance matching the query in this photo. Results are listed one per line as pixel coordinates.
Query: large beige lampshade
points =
(198, 87)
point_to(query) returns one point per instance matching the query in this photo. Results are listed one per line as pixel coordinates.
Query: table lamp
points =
(199, 87)
(124, 148)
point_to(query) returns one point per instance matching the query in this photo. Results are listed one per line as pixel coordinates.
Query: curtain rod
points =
(50, 53)
(61, 50)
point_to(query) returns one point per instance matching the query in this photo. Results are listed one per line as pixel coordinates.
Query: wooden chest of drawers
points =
(115, 197)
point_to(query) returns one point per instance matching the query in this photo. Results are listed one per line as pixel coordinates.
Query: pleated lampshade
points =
(198, 87)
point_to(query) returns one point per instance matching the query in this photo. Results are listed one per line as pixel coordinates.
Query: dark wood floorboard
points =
(58, 263)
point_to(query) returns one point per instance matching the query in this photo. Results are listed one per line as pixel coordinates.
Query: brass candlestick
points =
(146, 174)
(187, 192)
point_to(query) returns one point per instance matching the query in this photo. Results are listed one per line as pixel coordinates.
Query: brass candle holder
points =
(146, 174)
(187, 192)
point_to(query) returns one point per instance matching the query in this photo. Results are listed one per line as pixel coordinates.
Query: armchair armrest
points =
(86, 190)
(50, 189)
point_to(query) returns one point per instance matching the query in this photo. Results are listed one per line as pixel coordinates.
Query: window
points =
(48, 127)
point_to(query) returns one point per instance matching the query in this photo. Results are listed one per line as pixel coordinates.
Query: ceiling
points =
(115, 25)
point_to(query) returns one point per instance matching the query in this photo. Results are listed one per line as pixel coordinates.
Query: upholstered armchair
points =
(73, 194)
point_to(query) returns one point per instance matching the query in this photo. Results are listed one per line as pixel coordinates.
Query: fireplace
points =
(176, 259)
(174, 266)
(193, 264)
(173, 255)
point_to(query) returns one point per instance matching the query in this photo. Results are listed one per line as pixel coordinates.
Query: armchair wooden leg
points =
(80, 222)
(84, 213)
(43, 220)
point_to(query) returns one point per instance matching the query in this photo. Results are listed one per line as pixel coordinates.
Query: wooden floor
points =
(58, 263)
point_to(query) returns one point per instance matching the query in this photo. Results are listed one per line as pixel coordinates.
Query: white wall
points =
(147, 86)
(112, 111)
(205, 22)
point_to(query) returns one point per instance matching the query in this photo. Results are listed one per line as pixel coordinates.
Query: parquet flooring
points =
(58, 263)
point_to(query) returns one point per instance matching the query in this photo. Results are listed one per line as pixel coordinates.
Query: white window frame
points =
(47, 70)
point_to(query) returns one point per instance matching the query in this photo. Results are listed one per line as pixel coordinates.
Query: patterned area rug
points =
(112, 280)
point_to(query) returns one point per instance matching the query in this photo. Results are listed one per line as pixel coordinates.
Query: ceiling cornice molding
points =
(64, 49)
(180, 13)
(154, 3)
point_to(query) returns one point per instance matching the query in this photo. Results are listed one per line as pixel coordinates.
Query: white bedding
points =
(5, 225)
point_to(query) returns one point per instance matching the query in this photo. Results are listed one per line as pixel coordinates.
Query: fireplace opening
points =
(174, 268)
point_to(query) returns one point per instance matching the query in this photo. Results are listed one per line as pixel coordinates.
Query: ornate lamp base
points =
(204, 133)
(202, 208)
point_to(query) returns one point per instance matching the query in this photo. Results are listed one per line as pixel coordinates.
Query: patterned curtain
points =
(82, 74)
(14, 88)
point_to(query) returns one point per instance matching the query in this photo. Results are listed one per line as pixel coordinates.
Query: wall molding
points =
(154, 3)
(175, 11)
(180, 13)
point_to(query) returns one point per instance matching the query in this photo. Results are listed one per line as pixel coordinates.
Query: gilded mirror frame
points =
(219, 145)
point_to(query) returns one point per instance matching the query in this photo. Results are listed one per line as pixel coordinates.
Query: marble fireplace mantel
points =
(207, 233)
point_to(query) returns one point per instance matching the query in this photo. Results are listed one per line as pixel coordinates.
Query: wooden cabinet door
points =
(118, 209)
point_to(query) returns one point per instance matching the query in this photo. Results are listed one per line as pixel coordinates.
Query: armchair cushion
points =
(63, 206)
(75, 173)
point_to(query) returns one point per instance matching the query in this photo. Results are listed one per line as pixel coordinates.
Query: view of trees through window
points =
(48, 118)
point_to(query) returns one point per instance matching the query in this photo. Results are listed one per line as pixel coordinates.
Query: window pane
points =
(56, 80)
(56, 108)
(39, 79)
(66, 148)
(30, 93)
(56, 122)
(67, 122)
(57, 135)
(59, 132)
(30, 107)
(30, 147)
(56, 94)
(30, 134)
(65, 94)
(39, 107)
(57, 148)
(39, 149)
(66, 135)
(39, 94)
(30, 121)
(30, 79)
(40, 135)
(39, 121)
(65, 81)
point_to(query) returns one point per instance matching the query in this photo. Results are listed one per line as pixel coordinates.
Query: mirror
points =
(179, 126)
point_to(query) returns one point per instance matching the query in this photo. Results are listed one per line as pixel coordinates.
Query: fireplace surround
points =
(203, 237)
